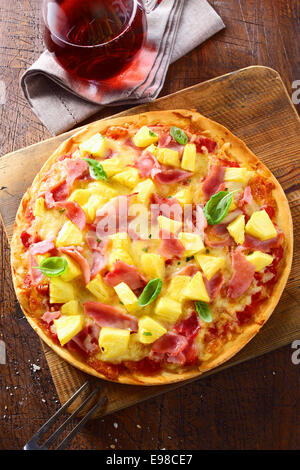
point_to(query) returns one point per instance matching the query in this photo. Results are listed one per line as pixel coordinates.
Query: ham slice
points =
(167, 141)
(195, 220)
(60, 192)
(201, 222)
(213, 181)
(164, 139)
(171, 176)
(243, 273)
(113, 216)
(230, 217)
(146, 163)
(49, 317)
(188, 327)
(73, 212)
(169, 348)
(169, 208)
(247, 196)
(218, 236)
(214, 286)
(188, 270)
(42, 248)
(169, 343)
(86, 340)
(92, 243)
(107, 315)
(39, 248)
(76, 168)
(99, 263)
(265, 246)
(123, 272)
(35, 274)
(74, 253)
(56, 193)
(98, 254)
(170, 247)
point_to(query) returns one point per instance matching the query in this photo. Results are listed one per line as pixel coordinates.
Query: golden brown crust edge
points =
(180, 118)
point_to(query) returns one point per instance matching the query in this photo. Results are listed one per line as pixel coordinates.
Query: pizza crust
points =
(179, 118)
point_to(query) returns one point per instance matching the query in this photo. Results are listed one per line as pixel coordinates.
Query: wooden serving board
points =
(254, 104)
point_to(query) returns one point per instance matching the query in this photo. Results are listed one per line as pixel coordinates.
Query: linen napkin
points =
(174, 29)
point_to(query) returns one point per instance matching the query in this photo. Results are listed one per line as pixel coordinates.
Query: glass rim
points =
(128, 24)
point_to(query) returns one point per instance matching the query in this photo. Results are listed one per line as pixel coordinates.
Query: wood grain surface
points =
(253, 405)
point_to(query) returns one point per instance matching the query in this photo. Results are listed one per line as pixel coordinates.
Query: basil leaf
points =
(96, 169)
(150, 292)
(217, 207)
(203, 311)
(179, 135)
(147, 333)
(53, 266)
(152, 134)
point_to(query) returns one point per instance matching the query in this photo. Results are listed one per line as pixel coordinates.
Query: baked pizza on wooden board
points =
(151, 248)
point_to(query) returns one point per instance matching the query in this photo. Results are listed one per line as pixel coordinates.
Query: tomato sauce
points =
(116, 132)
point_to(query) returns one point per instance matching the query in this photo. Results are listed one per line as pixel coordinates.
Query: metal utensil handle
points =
(149, 5)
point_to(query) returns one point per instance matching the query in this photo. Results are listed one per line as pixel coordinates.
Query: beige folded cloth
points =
(174, 29)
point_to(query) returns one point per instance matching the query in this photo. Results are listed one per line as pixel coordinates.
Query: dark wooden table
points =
(255, 405)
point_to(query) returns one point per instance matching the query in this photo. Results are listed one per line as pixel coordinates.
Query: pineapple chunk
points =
(120, 255)
(168, 157)
(72, 307)
(69, 234)
(184, 196)
(150, 330)
(99, 289)
(102, 189)
(96, 145)
(152, 149)
(176, 287)
(260, 226)
(94, 203)
(39, 207)
(113, 342)
(168, 309)
(210, 265)
(127, 297)
(260, 260)
(237, 229)
(40, 258)
(238, 175)
(72, 271)
(144, 190)
(232, 206)
(189, 157)
(120, 241)
(145, 137)
(60, 291)
(129, 177)
(67, 327)
(192, 243)
(112, 166)
(153, 265)
(169, 225)
(81, 196)
(196, 290)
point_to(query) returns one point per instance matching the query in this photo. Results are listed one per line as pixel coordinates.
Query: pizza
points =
(151, 248)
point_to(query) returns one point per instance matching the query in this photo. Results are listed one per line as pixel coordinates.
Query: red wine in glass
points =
(94, 39)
